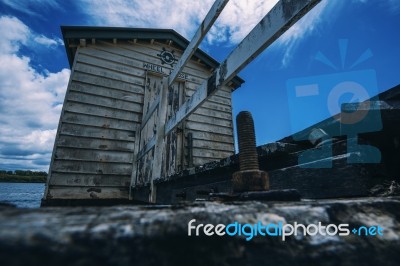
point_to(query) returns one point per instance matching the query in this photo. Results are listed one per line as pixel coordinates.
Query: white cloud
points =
(234, 23)
(240, 17)
(14, 33)
(43, 40)
(302, 29)
(30, 102)
(237, 19)
(180, 15)
(32, 7)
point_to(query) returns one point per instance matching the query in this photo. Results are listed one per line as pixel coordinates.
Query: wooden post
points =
(160, 139)
(162, 102)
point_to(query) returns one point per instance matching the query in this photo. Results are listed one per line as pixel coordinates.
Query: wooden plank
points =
(192, 67)
(106, 92)
(96, 132)
(206, 153)
(115, 54)
(145, 168)
(211, 113)
(149, 145)
(97, 121)
(198, 100)
(202, 135)
(160, 140)
(57, 192)
(210, 120)
(102, 111)
(73, 153)
(201, 32)
(213, 145)
(133, 177)
(112, 66)
(213, 99)
(187, 108)
(209, 128)
(150, 112)
(84, 180)
(105, 82)
(224, 92)
(173, 141)
(151, 100)
(284, 14)
(91, 143)
(135, 52)
(199, 161)
(104, 101)
(136, 62)
(108, 53)
(92, 167)
(193, 79)
(49, 176)
(278, 20)
(108, 74)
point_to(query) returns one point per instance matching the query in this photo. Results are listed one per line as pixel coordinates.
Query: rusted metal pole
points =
(249, 178)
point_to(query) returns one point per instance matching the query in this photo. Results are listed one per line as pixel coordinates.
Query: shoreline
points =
(22, 181)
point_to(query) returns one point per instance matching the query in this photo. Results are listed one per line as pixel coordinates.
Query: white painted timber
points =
(201, 32)
(284, 14)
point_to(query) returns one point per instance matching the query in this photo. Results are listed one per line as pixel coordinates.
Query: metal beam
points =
(204, 27)
(279, 19)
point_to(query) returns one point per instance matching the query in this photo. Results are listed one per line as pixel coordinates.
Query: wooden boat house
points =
(109, 113)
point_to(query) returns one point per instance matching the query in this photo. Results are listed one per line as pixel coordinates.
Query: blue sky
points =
(34, 70)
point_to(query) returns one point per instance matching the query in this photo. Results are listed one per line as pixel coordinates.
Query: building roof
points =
(72, 35)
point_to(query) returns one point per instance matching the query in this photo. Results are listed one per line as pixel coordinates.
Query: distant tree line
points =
(23, 173)
(23, 176)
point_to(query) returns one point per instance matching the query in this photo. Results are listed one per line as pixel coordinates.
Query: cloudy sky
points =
(336, 37)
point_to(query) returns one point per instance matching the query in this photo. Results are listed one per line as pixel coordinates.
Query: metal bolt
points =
(247, 141)
(249, 178)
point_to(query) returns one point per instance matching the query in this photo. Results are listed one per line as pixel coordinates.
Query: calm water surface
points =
(23, 195)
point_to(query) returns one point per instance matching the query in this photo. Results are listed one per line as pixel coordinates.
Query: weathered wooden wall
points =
(109, 90)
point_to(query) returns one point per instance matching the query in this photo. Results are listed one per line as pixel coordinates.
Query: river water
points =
(22, 195)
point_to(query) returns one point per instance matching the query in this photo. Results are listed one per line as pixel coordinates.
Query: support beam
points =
(160, 140)
(201, 32)
(150, 112)
(134, 162)
(149, 145)
(82, 42)
(279, 19)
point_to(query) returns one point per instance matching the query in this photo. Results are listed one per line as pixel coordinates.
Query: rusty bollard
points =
(249, 178)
